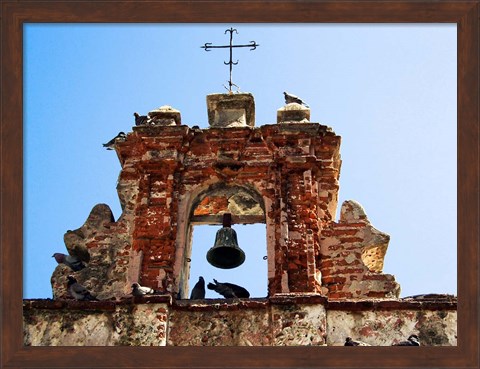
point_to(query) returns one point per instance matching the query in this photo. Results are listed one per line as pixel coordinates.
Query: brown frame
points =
(17, 12)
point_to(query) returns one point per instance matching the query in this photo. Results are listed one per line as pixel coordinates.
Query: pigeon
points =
(138, 290)
(350, 342)
(77, 291)
(111, 144)
(228, 290)
(141, 120)
(293, 99)
(198, 291)
(412, 340)
(71, 261)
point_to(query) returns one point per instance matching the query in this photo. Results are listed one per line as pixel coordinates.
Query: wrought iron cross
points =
(208, 45)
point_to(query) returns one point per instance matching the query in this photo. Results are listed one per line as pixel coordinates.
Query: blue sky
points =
(388, 90)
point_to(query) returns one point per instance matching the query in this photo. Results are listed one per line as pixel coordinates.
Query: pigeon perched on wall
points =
(293, 99)
(77, 291)
(228, 290)
(71, 261)
(412, 340)
(350, 342)
(198, 291)
(110, 145)
(138, 290)
(141, 120)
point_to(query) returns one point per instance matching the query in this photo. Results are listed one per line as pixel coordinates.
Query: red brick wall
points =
(172, 173)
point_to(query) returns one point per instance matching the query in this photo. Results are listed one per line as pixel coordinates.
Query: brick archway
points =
(207, 206)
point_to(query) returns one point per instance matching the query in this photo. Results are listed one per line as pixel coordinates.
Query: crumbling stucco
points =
(382, 328)
(289, 320)
(353, 252)
(110, 325)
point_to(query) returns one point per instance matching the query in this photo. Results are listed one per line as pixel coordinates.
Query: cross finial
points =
(208, 45)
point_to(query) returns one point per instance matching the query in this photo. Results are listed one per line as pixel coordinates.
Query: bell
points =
(226, 253)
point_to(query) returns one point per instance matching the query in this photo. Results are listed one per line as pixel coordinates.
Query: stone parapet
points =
(283, 320)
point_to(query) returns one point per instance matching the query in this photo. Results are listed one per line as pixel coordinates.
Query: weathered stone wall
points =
(280, 321)
(382, 328)
(325, 279)
(82, 324)
(352, 257)
(284, 175)
(106, 246)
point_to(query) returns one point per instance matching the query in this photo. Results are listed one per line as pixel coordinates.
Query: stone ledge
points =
(366, 305)
(48, 304)
(156, 130)
(104, 305)
(311, 128)
(424, 302)
(298, 298)
(220, 304)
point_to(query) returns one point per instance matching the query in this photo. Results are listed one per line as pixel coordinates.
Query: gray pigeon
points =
(350, 342)
(412, 340)
(198, 291)
(141, 120)
(228, 290)
(293, 99)
(138, 290)
(71, 261)
(77, 291)
(110, 145)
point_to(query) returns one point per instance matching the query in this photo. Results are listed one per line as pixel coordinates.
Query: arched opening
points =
(252, 274)
(247, 211)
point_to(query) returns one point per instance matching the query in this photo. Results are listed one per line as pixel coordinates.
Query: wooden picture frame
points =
(15, 13)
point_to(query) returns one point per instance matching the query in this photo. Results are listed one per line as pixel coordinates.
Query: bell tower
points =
(284, 175)
(324, 276)
(272, 174)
